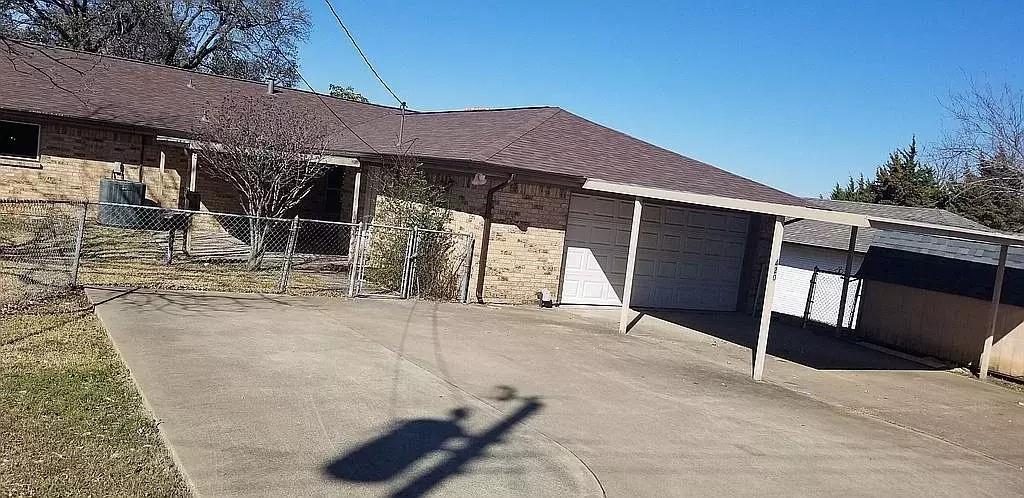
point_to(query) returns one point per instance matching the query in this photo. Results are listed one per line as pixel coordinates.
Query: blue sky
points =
(796, 95)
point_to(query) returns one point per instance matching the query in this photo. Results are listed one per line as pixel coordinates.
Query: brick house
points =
(555, 201)
(92, 114)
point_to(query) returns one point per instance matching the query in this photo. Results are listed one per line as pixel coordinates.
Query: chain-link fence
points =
(38, 241)
(47, 247)
(824, 297)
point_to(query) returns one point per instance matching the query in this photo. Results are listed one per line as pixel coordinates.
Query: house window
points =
(20, 140)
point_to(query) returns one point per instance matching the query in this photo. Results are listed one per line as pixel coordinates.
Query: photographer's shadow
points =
(389, 455)
(392, 453)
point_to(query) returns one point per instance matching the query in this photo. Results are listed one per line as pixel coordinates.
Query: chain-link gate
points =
(412, 262)
(824, 296)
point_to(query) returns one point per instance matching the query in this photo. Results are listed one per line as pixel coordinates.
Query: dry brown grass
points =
(71, 420)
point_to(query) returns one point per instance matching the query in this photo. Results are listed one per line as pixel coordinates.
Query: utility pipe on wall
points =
(485, 239)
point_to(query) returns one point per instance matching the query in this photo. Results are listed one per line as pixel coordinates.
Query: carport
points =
(781, 214)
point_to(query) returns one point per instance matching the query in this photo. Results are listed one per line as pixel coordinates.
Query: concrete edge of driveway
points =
(92, 296)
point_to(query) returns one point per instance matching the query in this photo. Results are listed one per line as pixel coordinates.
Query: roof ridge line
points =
(490, 109)
(527, 132)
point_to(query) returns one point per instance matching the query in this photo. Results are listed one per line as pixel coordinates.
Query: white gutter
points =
(807, 213)
(786, 210)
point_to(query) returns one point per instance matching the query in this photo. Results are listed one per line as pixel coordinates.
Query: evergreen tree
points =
(855, 190)
(902, 181)
(990, 196)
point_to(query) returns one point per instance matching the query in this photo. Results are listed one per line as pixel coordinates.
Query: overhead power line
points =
(319, 97)
(363, 54)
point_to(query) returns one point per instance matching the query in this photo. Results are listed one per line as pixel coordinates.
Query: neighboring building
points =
(933, 296)
(918, 293)
(810, 244)
(548, 229)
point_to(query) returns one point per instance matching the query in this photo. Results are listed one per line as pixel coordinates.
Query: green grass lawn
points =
(71, 420)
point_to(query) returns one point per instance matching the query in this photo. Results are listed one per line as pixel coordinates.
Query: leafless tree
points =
(252, 39)
(985, 150)
(270, 152)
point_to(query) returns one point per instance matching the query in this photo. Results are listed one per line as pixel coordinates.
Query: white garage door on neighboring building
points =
(686, 258)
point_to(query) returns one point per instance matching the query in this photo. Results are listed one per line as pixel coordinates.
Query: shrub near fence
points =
(47, 246)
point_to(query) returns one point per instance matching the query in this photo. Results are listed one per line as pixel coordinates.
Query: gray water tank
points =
(122, 192)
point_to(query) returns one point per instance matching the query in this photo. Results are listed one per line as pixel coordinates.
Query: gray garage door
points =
(686, 258)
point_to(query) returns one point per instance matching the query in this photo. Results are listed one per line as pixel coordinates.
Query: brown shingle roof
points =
(537, 139)
(831, 235)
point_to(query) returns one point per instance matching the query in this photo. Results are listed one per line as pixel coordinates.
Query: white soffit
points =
(333, 160)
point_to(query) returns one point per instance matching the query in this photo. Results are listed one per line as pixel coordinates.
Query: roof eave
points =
(721, 202)
(808, 213)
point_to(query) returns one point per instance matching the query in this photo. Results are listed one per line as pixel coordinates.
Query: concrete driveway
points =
(272, 395)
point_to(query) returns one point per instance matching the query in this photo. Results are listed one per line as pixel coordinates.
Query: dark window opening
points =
(19, 140)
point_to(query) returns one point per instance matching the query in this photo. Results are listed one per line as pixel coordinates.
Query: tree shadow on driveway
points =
(388, 456)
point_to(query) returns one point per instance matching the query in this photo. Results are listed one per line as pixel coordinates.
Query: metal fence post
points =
(407, 264)
(810, 297)
(289, 249)
(856, 302)
(469, 269)
(79, 241)
(354, 255)
(414, 259)
(169, 255)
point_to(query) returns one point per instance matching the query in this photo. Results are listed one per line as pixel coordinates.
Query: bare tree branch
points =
(208, 35)
(270, 152)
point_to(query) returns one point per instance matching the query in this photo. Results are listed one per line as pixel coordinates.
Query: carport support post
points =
(355, 195)
(846, 279)
(627, 290)
(766, 306)
(997, 292)
(193, 171)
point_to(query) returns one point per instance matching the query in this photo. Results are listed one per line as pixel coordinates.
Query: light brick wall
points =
(527, 234)
(73, 159)
(527, 240)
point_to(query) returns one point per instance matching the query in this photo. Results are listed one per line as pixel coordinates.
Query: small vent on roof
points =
(271, 87)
